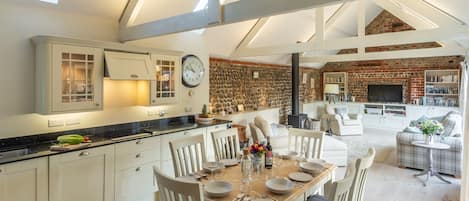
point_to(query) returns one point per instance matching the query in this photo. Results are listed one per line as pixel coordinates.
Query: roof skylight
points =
(50, 1)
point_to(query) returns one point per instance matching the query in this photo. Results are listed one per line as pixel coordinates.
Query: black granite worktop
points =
(38, 145)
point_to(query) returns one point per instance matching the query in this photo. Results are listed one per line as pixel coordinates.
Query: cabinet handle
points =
(134, 76)
(139, 142)
(138, 155)
(97, 104)
(1, 170)
(186, 133)
(138, 169)
(84, 153)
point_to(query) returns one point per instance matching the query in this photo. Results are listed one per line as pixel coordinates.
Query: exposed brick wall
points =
(406, 72)
(232, 83)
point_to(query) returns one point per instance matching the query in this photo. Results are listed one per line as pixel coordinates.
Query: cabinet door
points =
(136, 183)
(82, 175)
(165, 90)
(26, 180)
(77, 78)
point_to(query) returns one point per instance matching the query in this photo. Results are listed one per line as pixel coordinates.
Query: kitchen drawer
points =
(216, 128)
(193, 132)
(127, 160)
(139, 145)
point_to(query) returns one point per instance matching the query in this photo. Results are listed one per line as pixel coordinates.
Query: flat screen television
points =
(385, 93)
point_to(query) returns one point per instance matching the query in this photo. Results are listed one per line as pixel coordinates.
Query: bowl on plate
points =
(279, 185)
(218, 189)
(229, 162)
(311, 167)
(287, 155)
(212, 166)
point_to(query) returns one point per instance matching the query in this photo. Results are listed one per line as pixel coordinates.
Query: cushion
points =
(417, 122)
(340, 110)
(262, 124)
(452, 124)
(411, 129)
(256, 133)
(351, 122)
(345, 116)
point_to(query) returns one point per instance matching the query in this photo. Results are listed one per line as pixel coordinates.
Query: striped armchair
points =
(445, 161)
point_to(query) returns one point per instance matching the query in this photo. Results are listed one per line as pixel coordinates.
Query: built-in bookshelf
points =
(442, 87)
(339, 78)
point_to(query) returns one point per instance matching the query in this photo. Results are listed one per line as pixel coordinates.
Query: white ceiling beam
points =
(320, 26)
(237, 11)
(251, 35)
(130, 12)
(400, 54)
(330, 22)
(375, 40)
(415, 21)
(430, 12)
(361, 24)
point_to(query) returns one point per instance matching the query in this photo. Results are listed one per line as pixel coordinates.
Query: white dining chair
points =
(171, 189)
(307, 143)
(226, 144)
(188, 155)
(337, 190)
(362, 165)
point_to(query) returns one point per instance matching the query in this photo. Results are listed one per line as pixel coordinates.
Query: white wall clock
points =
(193, 71)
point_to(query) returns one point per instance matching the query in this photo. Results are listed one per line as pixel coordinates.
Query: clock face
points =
(192, 71)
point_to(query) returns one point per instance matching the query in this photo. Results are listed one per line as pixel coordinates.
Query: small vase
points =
(428, 139)
(257, 164)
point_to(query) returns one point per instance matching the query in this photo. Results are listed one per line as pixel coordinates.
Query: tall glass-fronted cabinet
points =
(68, 78)
(165, 89)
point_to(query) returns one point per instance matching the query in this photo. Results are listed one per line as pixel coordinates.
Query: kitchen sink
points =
(14, 153)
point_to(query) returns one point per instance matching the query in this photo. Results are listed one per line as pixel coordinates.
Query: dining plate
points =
(300, 176)
(218, 189)
(287, 155)
(311, 167)
(318, 161)
(279, 185)
(229, 162)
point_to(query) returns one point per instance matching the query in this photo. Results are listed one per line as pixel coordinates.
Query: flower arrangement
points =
(430, 127)
(257, 149)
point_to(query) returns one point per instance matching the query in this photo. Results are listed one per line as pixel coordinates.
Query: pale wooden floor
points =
(387, 182)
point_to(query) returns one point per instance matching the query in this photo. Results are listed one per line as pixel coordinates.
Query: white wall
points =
(20, 22)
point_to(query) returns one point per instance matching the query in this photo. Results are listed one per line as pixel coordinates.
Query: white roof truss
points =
(431, 23)
(398, 54)
(131, 11)
(216, 14)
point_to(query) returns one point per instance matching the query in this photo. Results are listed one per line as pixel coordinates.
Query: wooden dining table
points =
(281, 169)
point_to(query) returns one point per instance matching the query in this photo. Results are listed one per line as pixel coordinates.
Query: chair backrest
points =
(307, 143)
(340, 190)
(361, 165)
(256, 133)
(226, 144)
(188, 154)
(171, 189)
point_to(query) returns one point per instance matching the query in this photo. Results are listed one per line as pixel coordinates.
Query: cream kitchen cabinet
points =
(165, 88)
(25, 180)
(82, 175)
(68, 78)
(134, 169)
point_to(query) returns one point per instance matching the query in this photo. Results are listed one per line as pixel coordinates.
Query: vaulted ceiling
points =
(278, 30)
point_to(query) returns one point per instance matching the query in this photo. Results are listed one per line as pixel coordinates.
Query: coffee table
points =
(430, 170)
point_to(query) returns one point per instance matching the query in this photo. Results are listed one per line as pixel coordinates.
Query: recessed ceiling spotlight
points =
(51, 1)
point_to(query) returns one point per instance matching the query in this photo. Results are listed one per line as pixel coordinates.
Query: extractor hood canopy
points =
(128, 66)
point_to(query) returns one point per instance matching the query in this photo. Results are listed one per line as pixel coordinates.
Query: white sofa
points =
(334, 151)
